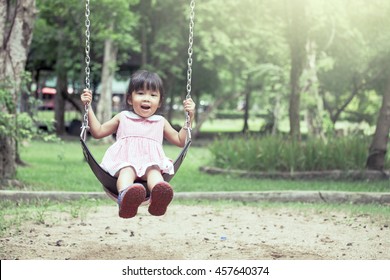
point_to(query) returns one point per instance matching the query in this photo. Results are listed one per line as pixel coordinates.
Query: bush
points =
(275, 153)
(20, 126)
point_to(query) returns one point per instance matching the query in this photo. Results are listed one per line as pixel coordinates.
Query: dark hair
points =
(141, 80)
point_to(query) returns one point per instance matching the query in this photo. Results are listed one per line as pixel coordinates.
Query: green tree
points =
(164, 34)
(60, 40)
(379, 42)
(359, 73)
(297, 39)
(16, 25)
(117, 37)
(235, 39)
(57, 45)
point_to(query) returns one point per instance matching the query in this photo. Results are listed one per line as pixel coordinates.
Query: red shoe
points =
(161, 196)
(130, 199)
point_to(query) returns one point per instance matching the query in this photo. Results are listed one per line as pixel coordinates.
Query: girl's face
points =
(145, 102)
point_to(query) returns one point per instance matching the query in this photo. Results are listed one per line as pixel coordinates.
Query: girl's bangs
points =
(150, 82)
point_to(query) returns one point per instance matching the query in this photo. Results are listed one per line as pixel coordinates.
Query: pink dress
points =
(138, 144)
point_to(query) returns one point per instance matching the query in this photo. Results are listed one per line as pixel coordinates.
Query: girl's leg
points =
(126, 178)
(161, 193)
(130, 195)
(153, 176)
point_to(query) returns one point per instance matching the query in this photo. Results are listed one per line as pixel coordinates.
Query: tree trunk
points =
(62, 84)
(104, 106)
(315, 105)
(145, 8)
(248, 92)
(378, 148)
(16, 25)
(59, 101)
(168, 89)
(144, 48)
(276, 113)
(297, 42)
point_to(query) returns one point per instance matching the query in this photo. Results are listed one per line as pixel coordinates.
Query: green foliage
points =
(273, 153)
(232, 39)
(59, 34)
(20, 126)
(120, 26)
(239, 46)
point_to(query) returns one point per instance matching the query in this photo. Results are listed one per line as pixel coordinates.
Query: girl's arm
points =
(175, 137)
(97, 129)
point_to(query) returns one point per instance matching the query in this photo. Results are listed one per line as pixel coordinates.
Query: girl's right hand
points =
(86, 96)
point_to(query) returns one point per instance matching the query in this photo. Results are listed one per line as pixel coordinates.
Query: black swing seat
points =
(109, 182)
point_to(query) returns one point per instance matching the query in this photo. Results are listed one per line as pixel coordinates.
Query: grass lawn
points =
(60, 166)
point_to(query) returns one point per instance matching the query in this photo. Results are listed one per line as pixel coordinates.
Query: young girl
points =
(137, 152)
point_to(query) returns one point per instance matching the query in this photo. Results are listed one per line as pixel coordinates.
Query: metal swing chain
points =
(189, 63)
(190, 50)
(87, 45)
(85, 125)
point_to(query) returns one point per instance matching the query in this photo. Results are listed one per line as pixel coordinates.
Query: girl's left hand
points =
(189, 106)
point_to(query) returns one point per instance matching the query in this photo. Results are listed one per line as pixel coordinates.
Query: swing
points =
(107, 180)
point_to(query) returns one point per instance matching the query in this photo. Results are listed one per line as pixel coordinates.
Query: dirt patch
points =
(201, 233)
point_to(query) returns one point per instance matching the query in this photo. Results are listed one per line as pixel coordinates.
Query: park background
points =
(282, 86)
(291, 95)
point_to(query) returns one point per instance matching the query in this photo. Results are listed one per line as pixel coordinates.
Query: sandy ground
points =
(202, 232)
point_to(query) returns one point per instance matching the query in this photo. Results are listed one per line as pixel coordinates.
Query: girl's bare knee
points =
(126, 177)
(154, 176)
(129, 171)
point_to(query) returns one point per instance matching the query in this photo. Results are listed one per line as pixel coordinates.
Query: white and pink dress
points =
(138, 144)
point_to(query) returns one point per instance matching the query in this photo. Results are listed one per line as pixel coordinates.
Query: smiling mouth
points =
(145, 107)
